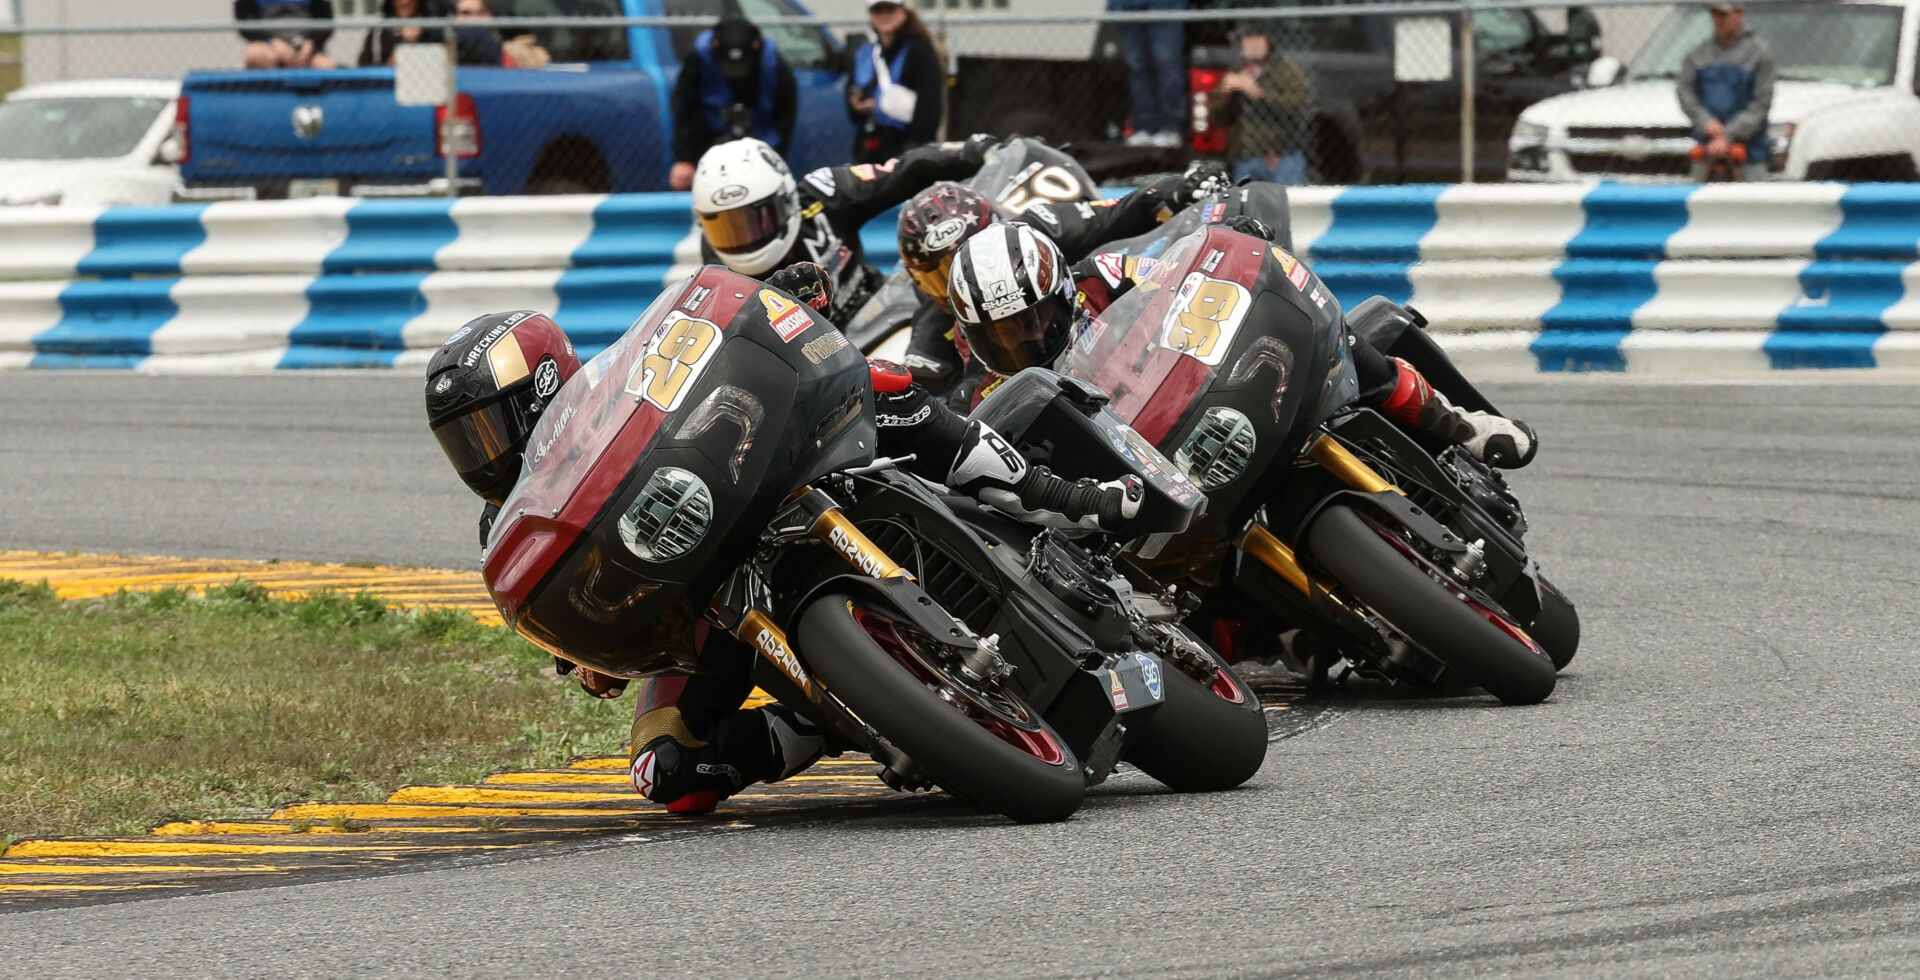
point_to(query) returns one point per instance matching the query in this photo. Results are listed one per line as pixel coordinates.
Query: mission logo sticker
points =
(787, 317)
(1118, 690)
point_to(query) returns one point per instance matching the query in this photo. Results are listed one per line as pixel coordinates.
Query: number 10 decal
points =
(673, 359)
(1205, 315)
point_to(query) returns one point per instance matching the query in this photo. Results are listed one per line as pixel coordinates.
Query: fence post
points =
(1468, 55)
(449, 119)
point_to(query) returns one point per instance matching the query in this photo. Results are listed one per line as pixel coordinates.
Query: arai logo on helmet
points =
(729, 195)
(546, 377)
(944, 235)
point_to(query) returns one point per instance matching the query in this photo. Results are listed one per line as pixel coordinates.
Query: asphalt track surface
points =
(1724, 783)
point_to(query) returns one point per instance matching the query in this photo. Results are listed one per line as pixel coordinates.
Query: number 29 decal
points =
(674, 359)
(1205, 315)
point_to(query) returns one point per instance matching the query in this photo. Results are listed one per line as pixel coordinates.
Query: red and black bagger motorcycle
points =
(1231, 357)
(714, 469)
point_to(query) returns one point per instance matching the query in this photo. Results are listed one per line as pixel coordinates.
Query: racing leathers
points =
(1077, 228)
(835, 202)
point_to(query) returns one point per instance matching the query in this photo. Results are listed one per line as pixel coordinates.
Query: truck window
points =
(802, 46)
(1501, 31)
(572, 43)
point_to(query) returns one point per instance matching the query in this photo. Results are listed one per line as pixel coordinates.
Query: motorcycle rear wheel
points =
(987, 746)
(1474, 639)
(1202, 738)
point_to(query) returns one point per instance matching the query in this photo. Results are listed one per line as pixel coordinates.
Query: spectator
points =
(1157, 69)
(1264, 106)
(898, 87)
(481, 45)
(379, 45)
(1726, 89)
(268, 48)
(733, 84)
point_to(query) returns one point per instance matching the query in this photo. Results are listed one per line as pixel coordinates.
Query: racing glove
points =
(806, 282)
(1247, 224)
(990, 470)
(1202, 180)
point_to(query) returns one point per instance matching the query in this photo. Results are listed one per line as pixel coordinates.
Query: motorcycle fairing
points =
(722, 378)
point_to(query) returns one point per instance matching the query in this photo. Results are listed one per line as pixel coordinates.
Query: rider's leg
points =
(1400, 393)
(693, 745)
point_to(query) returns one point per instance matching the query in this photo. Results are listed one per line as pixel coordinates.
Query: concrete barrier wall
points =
(1612, 277)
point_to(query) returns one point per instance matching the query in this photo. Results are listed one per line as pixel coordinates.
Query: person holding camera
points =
(271, 48)
(734, 84)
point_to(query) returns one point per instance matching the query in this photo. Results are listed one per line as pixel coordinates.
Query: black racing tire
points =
(1557, 628)
(1430, 614)
(1202, 738)
(841, 639)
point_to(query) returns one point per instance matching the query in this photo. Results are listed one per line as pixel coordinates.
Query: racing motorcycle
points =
(714, 468)
(1405, 556)
(1017, 174)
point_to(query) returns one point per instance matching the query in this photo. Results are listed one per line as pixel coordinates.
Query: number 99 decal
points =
(673, 359)
(1205, 315)
(1048, 184)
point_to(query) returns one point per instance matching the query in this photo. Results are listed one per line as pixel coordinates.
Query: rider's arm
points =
(855, 194)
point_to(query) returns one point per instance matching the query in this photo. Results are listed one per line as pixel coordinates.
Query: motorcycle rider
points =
(754, 217)
(1018, 303)
(692, 743)
(937, 221)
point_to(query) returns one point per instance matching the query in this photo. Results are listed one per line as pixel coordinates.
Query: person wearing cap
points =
(896, 94)
(1264, 105)
(734, 84)
(1726, 89)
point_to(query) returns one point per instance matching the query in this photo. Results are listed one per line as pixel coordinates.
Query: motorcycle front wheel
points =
(1557, 628)
(1424, 601)
(983, 744)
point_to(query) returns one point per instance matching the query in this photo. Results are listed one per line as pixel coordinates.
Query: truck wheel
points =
(569, 165)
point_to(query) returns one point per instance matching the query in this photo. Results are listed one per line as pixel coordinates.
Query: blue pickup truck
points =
(595, 120)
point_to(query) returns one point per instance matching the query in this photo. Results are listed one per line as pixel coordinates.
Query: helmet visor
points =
(1032, 337)
(747, 228)
(932, 279)
(484, 443)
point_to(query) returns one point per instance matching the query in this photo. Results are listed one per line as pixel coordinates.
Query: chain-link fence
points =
(572, 95)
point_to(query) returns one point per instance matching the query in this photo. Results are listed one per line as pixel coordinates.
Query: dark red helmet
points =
(933, 225)
(486, 387)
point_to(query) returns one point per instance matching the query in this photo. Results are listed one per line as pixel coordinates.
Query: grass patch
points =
(120, 713)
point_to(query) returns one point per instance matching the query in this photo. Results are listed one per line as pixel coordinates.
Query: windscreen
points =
(75, 129)
(1849, 44)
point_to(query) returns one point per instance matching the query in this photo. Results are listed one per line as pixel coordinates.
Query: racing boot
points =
(765, 744)
(991, 471)
(1492, 439)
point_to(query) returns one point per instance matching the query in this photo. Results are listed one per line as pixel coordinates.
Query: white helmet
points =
(747, 204)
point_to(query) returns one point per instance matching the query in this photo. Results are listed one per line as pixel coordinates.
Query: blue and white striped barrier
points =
(329, 282)
(1722, 278)
(1716, 279)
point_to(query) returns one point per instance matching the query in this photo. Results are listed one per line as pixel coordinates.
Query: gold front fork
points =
(1348, 469)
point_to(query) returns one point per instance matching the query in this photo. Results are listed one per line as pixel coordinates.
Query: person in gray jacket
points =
(1726, 89)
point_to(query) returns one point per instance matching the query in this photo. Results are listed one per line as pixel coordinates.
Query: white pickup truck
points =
(1844, 104)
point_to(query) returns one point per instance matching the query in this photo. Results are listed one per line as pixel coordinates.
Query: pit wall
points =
(1726, 278)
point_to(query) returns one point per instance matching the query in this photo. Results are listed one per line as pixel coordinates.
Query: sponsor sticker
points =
(1287, 262)
(1320, 296)
(493, 336)
(541, 449)
(457, 334)
(729, 195)
(824, 346)
(944, 235)
(1118, 690)
(773, 649)
(445, 382)
(695, 297)
(1150, 673)
(787, 317)
(1298, 277)
(546, 377)
(1212, 261)
(1214, 212)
